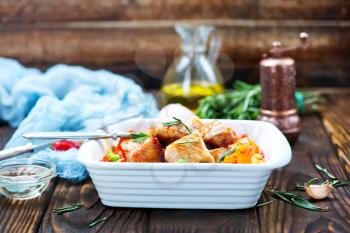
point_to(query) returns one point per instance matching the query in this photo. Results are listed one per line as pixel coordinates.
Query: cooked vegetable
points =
(244, 151)
(64, 145)
(244, 103)
(227, 153)
(112, 157)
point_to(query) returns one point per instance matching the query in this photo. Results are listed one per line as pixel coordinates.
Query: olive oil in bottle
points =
(177, 93)
(193, 74)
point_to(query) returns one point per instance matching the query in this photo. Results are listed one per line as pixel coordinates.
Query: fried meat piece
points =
(150, 150)
(190, 148)
(219, 135)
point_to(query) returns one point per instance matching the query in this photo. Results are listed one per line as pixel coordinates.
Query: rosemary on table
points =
(335, 182)
(297, 200)
(324, 171)
(308, 183)
(265, 203)
(311, 181)
(97, 221)
(67, 208)
(298, 186)
(139, 137)
(177, 121)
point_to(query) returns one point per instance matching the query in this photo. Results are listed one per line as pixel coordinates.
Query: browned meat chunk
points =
(147, 151)
(190, 148)
(171, 131)
(219, 135)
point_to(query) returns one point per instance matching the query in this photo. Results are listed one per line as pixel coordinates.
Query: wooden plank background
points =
(137, 38)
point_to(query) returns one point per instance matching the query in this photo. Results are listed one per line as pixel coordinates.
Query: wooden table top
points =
(324, 140)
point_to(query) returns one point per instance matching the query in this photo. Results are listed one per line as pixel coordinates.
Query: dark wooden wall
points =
(136, 37)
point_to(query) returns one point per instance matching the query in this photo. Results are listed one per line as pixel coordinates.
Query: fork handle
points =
(4, 154)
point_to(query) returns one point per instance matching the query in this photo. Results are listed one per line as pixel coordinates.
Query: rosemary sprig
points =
(311, 181)
(325, 171)
(297, 200)
(233, 149)
(298, 186)
(181, 161)
(97, 221)
(335, 182)
(139, 137)
(67, 208)
(265, 203)
(176, 122)
(302, 187)
(187, 142)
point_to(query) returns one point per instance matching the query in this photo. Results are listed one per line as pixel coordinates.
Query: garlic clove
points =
(319, 191)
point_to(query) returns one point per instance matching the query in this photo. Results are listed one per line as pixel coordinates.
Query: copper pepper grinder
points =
(277, 77)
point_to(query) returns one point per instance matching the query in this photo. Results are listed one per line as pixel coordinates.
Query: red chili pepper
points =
(105, 159)
(65, 145)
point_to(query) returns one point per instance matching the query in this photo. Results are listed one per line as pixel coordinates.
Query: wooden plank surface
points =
(336, 119)
(66, 193)
(314, 147)
(85, 10)
(148, 47)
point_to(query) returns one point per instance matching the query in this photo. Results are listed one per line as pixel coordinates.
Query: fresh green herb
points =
(68, 208)
(97, 221)
(244, 103)
(233, 149)
(112, 157)
(298, 186)
(139, 137)
(335, 182)
(182, 161)
(310, 182)
(177, 122)
(265, 203)
(187, 142)
(325, 171)
(297, 200)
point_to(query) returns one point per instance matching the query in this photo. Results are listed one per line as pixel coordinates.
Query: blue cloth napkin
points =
(66, 98)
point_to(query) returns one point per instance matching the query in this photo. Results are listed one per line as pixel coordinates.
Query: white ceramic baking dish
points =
(186, 185)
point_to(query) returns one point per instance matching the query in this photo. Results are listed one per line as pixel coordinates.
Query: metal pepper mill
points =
(277, 77)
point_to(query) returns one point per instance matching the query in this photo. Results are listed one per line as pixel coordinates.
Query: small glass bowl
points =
(25, 178)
